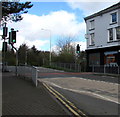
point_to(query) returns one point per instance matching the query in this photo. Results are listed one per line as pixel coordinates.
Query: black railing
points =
(106, 69)
(67, 66)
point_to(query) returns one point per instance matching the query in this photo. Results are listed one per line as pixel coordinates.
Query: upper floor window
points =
(114, 17)
(118, 33)
(92, 39)
(92, 24)
(110, 34)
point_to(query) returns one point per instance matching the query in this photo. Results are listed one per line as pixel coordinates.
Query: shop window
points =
(94, 59)
(111, 58)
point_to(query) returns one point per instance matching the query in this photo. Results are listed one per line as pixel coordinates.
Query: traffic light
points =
(12, 37)
(78, 49)
(5, 31)
(4, 47)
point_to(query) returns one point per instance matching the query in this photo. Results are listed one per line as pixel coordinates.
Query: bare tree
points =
(66, 48)
(65, 43)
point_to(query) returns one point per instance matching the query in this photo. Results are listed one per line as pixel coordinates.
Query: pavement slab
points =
(20, 97)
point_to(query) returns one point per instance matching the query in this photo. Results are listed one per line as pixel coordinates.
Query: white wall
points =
(102, 24)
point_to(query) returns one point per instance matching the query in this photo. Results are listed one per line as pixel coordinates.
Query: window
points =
(118, 33)
(110, 58)
(94, 59)
(110, 34)
(92, 38)
(92, 24)
(114, 17)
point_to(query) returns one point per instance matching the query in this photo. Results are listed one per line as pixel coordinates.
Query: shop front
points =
(109, 56)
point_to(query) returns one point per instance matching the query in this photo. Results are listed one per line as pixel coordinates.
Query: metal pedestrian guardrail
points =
(67, 66)
(29, 72)
(106, 69)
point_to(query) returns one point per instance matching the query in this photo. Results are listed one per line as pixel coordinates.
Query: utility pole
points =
(50, 55)
(5, 29)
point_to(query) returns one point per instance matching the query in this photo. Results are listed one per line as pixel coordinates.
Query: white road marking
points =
(78, 91)
(103, 76)
(112, 77)
(109, 76)
(96, 81)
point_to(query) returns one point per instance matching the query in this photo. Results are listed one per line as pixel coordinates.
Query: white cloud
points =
(90, 6)
(38, 43)
(59, 23)
(81, 43)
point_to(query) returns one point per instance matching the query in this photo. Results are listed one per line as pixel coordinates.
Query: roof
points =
(111, 8)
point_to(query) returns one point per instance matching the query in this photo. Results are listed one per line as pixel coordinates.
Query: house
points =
(103, 37)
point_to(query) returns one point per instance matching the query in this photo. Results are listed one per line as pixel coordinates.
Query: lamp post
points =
(50, 44)
(26, 57)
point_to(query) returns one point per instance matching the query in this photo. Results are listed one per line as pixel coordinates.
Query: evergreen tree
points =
(22, 54)
(12, 10)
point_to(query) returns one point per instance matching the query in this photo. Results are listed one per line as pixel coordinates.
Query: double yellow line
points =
(65, 102)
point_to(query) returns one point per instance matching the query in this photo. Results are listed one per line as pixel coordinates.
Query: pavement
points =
(21, 97)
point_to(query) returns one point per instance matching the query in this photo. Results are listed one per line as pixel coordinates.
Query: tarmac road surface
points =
(93, 94)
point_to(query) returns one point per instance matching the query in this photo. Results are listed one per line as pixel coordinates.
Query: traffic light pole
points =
(4, 53)
(4, 58)
(77, 54)
(12, 40)
(16, 58)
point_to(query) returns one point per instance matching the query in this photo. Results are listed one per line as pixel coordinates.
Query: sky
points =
(52, 20)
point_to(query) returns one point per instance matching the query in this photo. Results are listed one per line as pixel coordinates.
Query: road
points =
(92, 94)
(46, 72)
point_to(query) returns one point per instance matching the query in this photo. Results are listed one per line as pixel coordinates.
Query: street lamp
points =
(50, 44)
(26, 57)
